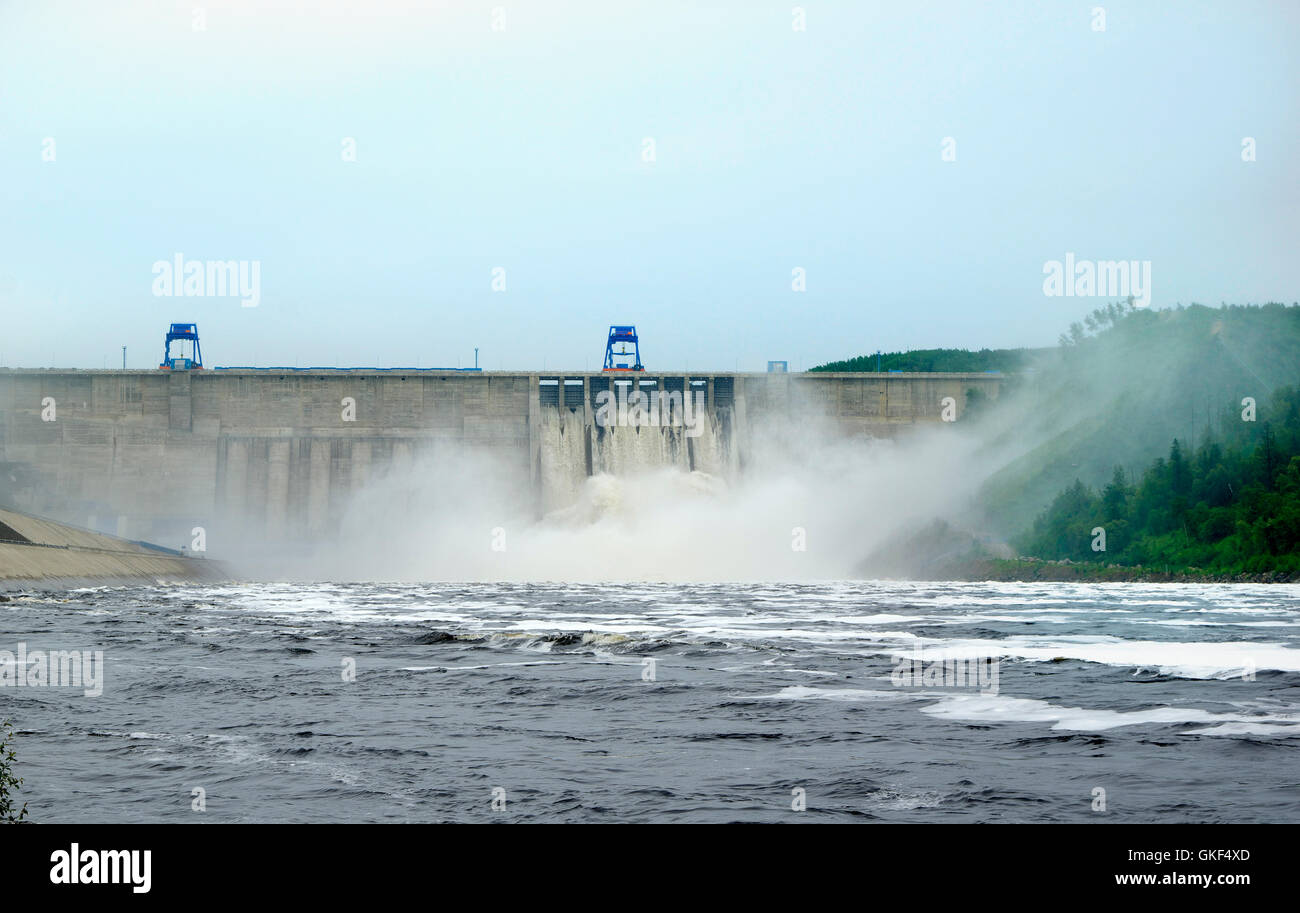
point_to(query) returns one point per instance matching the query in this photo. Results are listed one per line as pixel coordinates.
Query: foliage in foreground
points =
(9, 784)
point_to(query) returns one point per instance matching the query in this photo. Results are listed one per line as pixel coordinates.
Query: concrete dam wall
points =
(162, 456)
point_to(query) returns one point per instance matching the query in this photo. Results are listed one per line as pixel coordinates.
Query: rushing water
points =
(1179, 701)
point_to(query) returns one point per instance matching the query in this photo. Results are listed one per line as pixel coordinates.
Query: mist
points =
(804, 500)
(807, 502)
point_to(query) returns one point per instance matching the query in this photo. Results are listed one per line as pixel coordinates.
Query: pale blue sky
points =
(522, 148)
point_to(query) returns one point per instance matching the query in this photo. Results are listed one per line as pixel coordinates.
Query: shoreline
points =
(1032, 570)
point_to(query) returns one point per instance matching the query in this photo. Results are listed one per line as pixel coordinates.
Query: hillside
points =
(943, 360)
(1120, 395)
(1232, 506)
(1115, 394)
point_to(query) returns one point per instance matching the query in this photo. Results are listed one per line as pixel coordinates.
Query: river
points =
(701, 702)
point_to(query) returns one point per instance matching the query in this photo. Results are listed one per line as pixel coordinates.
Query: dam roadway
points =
(276, 453)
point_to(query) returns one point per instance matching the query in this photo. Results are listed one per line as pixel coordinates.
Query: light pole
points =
(123, 358)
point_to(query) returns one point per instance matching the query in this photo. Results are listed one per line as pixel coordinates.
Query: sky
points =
(385, 164)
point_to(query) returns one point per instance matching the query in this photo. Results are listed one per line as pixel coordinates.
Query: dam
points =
(276, 453)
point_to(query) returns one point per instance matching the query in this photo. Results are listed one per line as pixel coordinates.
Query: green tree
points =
(1233, 506)
(1114, 498)
(9, 784)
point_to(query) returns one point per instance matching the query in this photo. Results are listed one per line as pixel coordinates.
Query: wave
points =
(1181, 659)
(988, 708)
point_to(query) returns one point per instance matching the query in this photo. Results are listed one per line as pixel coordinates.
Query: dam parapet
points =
(279, 453)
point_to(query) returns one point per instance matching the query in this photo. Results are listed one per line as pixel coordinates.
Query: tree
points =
(1268, 454)
(1180, 475)
(9, 784)
(1114, 498)
(1233, 506)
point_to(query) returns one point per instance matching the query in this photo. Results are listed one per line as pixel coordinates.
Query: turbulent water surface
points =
(656, 702)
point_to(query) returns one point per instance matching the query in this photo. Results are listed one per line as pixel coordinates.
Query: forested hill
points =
(1175, 431)
(1121, 390)
(941, 360)
(1231, 506)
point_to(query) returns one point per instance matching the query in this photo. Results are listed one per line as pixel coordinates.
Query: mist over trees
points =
(1175, 431)
(1121, 392)
(1230, 506)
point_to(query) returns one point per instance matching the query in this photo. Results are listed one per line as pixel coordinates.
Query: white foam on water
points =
(1184, 623)
(900, 800)
(1208, 660)
(1268, 730)
(1006, 709)
(869, 618)
(808, 693)
(880, 618)
(533, 662)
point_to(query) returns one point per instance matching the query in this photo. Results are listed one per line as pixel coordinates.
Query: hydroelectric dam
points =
(276, 454)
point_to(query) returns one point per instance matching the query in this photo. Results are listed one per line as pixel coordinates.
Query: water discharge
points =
(807, 503)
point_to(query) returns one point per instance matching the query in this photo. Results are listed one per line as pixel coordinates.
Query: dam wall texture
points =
(157, 455)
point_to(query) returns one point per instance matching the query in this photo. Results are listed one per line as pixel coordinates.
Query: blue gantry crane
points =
(623, 337)
(182, 332)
